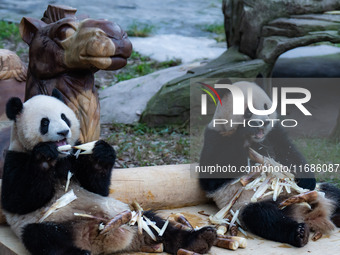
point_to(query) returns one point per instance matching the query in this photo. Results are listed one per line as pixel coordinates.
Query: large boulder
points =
(171, 105)
(249, 23)
(125, 101)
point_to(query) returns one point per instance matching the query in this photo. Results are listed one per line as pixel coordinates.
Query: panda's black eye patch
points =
(265, 106)
(44, 125)
(247, 114)
(64, 118)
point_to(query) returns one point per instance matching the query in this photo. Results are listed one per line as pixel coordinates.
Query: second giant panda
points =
(229, 145)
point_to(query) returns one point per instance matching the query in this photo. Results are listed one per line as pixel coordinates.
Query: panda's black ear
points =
(57, 94)
(14, 106)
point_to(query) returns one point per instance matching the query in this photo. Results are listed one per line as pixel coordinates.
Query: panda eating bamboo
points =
(261, 201)
(84, 220)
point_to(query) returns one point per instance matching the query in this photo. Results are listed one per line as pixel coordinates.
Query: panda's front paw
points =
(104, 154)
(46, 153)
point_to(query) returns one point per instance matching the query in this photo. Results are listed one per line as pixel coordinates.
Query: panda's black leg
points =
(333, 193)
(50, 239)
(266, 220)
(199, 241)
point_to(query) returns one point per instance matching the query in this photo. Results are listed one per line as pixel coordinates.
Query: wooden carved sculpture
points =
(65, 52)
(12, 79)
(12, 84)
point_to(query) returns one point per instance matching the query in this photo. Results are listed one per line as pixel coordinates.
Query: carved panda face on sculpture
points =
(256, 127)
(41, 119)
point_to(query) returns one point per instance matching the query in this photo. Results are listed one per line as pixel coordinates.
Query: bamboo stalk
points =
(222, 229)
(307, 197)
(117, 221)
(233, 230)
(186, 252)
(241, 240)
(246, 179)
(181, 219)
(221, 214)
(316, 236)
(226, 243)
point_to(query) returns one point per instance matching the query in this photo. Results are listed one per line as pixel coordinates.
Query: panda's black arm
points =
(27, 183)
(287, 154)
(93, 171)
(223, 151)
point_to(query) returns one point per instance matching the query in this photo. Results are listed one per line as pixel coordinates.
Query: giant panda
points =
(34, 178)
(229, 145)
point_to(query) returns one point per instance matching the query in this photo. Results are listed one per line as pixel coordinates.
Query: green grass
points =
(135, 71)
(139, 65)
(326, 43)
(217, 29)
(214, 28)
(9, 31)
(137, 56)
(10, 39)
(140, 29)
(321, 151)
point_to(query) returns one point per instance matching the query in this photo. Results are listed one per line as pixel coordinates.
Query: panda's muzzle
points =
(64, 133)
(259, 134)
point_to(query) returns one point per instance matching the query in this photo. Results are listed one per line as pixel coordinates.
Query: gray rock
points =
(171, 104)
(245, 22)
(125, 101)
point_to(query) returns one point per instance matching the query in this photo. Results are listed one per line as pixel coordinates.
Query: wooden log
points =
(157, 187)
(10, 244)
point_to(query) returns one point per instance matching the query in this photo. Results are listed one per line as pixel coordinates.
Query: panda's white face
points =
(260, 101)
(45, 119)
